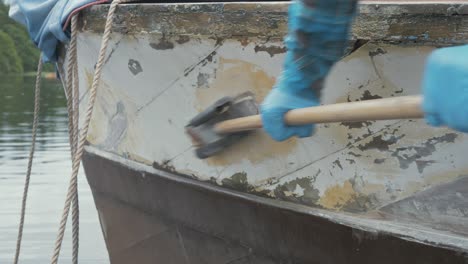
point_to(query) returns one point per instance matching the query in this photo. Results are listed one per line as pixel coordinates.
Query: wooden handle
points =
(404, 107)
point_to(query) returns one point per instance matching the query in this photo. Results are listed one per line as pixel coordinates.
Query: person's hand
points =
(317, 38)
(445, 88)
(276, 104)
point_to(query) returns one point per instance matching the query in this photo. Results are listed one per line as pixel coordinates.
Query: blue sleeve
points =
(317, 38)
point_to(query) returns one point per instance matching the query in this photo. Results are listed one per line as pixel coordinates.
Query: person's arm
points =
(317, 37)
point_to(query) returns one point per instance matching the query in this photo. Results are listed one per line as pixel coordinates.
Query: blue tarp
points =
(45, 20)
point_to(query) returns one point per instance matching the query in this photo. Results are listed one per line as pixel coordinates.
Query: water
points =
(49, 178)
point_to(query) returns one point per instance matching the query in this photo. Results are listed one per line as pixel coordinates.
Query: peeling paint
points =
(202, 62)
(338, 163)
(202, 80)
(379, 143)
(422, 164)
(163, 44)
(244, 41)
(358, 125)
(354, 154)
(379, 161)
(299, 190)
(408, 155)
(238, 181)
(164, 166)
(368, 96)
(376, 52)
(272, 50)
(134, 66)
(182, 39)
(393, 22)
(232, 78)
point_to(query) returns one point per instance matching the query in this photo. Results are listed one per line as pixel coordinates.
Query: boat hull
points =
(392, 191)
(152, 216)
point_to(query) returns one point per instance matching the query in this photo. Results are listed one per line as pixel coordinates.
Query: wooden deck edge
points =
(401, 22)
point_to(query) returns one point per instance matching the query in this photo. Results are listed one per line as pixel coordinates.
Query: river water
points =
(49, 178)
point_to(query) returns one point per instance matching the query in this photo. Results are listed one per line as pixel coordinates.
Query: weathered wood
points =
(403, 107)
(411, 22)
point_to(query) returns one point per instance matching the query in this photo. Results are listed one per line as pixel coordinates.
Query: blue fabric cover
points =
(44, 20)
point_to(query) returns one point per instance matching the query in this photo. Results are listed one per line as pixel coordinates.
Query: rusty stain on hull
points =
(344, 197)
(234, 77)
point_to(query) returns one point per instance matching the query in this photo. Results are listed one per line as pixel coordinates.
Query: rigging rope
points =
(72, 93)
(84, 131)
(77, 139)
(37, 95)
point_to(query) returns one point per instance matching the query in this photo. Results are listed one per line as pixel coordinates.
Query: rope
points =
(76, 96)
(73, 119)
(83, 133)
(37, 96)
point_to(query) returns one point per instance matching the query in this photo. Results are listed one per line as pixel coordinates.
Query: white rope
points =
(37, 95)
(84, 131)
(72, 95)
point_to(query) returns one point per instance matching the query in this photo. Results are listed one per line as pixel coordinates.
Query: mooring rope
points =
(84, 131)
(77, 139)
(37, 96)
(72, 91)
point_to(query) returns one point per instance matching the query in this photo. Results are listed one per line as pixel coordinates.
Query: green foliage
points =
(4, 19)
(23, 45)
(25, 48)
(10, 62)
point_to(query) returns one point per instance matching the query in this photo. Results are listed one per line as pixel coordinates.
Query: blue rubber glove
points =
(445, 88)
(276, 104)
(317, 38)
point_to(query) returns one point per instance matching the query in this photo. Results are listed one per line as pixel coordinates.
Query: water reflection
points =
(49, 179)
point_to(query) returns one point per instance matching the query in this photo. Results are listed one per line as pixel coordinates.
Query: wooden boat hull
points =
(369, 192)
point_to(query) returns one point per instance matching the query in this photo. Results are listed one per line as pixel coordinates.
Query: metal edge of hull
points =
(200, 223)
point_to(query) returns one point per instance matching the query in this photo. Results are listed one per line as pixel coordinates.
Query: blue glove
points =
(317, 38)
(276, 104)
(445, 88)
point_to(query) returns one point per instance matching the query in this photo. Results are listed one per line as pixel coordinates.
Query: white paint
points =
(161, 100)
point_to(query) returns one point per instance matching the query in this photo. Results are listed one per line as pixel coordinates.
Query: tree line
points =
(18, 54)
